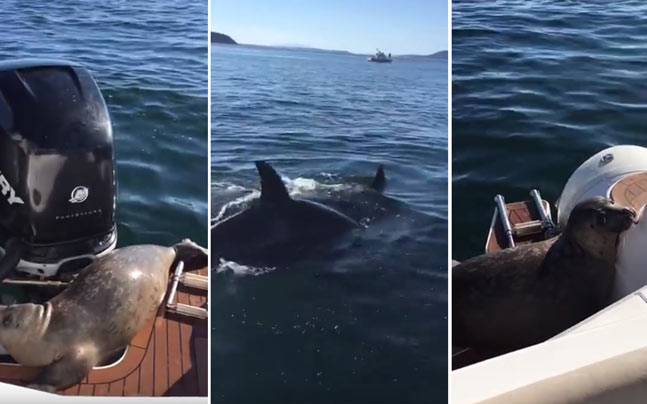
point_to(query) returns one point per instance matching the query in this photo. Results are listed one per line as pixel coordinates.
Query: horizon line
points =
(324, 49)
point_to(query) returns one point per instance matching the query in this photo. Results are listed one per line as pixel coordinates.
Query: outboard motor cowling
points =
(57, 175)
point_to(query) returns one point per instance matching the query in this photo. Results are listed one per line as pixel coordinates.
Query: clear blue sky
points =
(360, 26)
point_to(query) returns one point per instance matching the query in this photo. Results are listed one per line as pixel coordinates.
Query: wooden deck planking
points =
(188, 360)
(202, 353)
(631, 191)
(518, 212)
(86, 390)
(131, 384)
(115, 388)
(161, 358)
(174, 352)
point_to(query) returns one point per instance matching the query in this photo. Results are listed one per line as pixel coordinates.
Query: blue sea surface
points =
(538, 87)
(368, 327)
(150, 62)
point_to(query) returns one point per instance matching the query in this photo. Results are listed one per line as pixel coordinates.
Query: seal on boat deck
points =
(276, 225)
(522, 296)
(96, 316)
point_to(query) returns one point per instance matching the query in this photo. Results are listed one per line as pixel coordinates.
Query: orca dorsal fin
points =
(272, 186)
(379, 182)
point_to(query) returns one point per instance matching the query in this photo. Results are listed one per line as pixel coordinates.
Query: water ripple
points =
(539, 86)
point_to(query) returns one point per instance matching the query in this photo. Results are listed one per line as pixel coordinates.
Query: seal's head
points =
(601, 215)
(193, 255)
(21, 324)
(595, 225)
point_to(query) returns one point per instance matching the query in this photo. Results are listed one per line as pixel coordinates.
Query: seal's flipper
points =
(65, 372)
(272, 187)
(193, 255)
(379, 182)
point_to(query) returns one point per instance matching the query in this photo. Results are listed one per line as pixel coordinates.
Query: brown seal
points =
(96, 316)
(524, 295)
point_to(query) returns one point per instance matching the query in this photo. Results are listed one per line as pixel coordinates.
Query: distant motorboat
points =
(380, 57)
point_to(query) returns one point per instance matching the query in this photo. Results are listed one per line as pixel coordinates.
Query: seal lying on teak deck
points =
(96, 316)
(524, 295)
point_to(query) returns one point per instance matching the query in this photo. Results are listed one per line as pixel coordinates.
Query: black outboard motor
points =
(57, 175)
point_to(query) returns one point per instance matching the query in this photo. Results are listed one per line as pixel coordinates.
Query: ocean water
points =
(150, 62)
(367, 325)
(538, 87)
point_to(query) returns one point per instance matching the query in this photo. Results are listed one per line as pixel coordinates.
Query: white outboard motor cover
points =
(631, 265)
(596, 177)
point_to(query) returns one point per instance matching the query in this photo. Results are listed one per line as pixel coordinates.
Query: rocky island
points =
(217, 37)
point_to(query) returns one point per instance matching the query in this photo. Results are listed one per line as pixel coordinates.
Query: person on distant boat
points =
(389, 55)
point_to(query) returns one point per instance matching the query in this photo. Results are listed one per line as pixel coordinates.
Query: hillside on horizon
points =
(217, 37)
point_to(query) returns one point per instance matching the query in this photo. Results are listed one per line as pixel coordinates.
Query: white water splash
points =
(303, 186)
(296, 187)
(229, 187)
(236, 204)
(242, 270)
